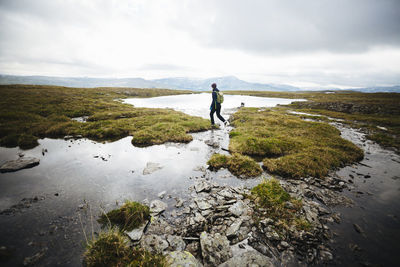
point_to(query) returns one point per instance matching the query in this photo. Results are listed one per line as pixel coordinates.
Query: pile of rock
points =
(218, 226)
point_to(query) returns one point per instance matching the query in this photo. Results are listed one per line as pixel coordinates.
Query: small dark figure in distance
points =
(217, 99)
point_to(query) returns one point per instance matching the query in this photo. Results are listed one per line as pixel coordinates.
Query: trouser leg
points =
(212, 115)
(218, 113)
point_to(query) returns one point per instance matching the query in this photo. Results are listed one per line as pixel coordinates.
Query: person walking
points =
(216, 105)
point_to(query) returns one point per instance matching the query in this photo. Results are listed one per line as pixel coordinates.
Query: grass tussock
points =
(279, 205)
(128, 217)
(31, 112)
(237, 164)
(112, 248)
(290, 146)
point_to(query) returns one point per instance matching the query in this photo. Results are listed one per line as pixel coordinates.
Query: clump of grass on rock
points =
(112, 248)
(290, 146)
(237, 164)
(278, 205)
(128, 217)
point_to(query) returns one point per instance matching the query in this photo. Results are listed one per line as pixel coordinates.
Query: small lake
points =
(199, 104)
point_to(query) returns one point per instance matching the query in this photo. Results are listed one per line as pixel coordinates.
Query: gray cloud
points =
(171, 67)
(293, 26)
(274, 38)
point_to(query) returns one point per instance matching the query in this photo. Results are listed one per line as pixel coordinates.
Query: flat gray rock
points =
(182, 259)
(137, 233)
(202, 204)
(19, 164)
(176, 243)
(249, 258)
(215, 249)
(157, 206)
(237, 209)
(233, 230)
(162, 194)
(202, 186)
(226, 193)
(154, 243)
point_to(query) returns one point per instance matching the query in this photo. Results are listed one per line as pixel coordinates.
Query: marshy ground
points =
(305, 152)
(32, 112)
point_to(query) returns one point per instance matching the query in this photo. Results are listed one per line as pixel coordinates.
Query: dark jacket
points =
(214, 98)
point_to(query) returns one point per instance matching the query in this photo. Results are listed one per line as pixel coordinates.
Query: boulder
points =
(136, 234)
(154, 243)
(249, 258)
(202, 186)
(21, 163)
(237, 209)
(157, 206)
(202, 204)
(159, 225)
(176, 243)
(226, 193)
(215, 249)
(162, 194)
(233, 230)
(182, 259)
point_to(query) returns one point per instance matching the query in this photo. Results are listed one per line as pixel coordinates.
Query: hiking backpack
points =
(220, 97)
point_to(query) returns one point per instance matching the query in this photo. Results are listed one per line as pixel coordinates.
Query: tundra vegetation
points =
(290, 146)
(376, 114)
(30, 112)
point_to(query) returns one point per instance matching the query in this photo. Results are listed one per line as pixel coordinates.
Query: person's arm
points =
(214, 99)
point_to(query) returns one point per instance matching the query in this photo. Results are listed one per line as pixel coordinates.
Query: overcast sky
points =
(345, 43)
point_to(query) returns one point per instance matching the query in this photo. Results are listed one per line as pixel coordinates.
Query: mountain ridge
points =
(179, 83)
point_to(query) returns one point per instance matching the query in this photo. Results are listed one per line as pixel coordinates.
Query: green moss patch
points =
(112, 248)
(290, 146)
(128, 217)
(31, 112)
(237, 164)
(278, 205)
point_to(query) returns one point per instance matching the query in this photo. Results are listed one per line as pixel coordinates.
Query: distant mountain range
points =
(225, 83)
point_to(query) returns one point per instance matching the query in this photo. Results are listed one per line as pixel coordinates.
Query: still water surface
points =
(199, 104)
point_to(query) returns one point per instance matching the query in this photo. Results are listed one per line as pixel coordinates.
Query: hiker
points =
(217, 99)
